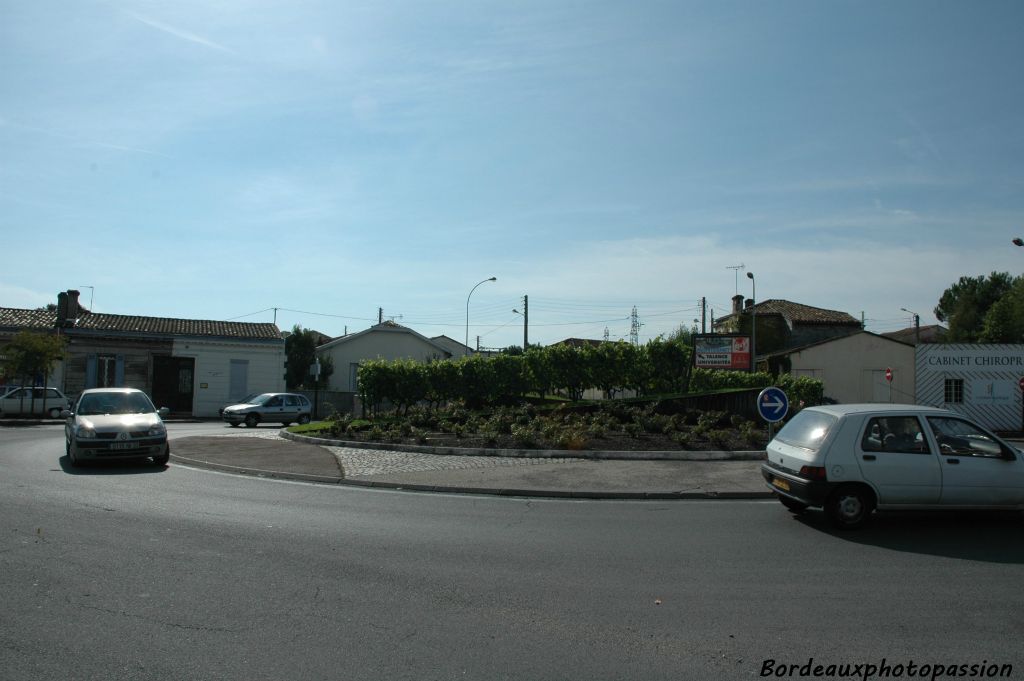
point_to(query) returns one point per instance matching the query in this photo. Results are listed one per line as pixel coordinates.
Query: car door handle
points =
(869, 457)
(953, 461)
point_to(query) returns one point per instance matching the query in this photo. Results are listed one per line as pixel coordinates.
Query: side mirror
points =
(66, 413)
(163, 411)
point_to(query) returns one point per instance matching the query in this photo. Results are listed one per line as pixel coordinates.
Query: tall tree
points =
(1004, 322)
(965, 304)
(300, 354)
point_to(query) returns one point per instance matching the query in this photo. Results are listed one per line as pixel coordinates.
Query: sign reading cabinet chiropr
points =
(718, 351)
(977, 380)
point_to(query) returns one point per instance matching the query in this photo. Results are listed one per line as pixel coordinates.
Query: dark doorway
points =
(172, 383)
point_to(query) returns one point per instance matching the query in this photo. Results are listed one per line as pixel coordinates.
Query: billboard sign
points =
(718, 351)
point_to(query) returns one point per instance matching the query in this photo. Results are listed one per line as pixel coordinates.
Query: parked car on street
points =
(115, 424)
(220, 412)
(851, 459)
(33, 402)
(283, 408)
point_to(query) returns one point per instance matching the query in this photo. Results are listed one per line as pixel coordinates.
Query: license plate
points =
(781, 484)
(124, 445)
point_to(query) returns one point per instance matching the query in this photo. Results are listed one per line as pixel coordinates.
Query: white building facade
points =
(976, 380)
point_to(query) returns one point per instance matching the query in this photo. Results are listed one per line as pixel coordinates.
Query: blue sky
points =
(218, 160)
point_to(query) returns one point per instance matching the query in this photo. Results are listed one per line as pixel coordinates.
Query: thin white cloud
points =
(180, 33)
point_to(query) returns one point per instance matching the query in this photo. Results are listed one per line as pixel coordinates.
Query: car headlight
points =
(84, 433)
(157, 429)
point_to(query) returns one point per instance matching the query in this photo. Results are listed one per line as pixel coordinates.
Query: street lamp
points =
(1018, 242)
(467, 309)
(753, 322)
(917, 325)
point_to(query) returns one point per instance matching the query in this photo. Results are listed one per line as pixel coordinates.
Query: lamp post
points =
(467, 310)
(917, 325)
(753, 322)
(1018, 242)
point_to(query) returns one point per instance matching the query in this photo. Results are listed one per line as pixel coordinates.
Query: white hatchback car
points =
(33, 402)
(115, 424)
(850, 459)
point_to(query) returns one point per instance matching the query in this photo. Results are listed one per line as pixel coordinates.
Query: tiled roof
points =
(802, 314)
(15, 318)
(166, 326)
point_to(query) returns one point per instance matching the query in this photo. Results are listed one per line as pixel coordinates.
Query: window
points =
(960, 438)
(901, 434)
(954, 391)
(275, 401)
(106, 371)
(807, 429)
(291, 400)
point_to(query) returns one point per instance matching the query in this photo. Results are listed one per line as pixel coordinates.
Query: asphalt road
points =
(138, 573)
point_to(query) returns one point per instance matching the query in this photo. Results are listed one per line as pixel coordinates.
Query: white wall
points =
(211, 385)
(852, 368)
(990, 376)
(375, 344)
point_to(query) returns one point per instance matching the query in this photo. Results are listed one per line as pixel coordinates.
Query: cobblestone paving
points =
(359, 463)
(368, 462)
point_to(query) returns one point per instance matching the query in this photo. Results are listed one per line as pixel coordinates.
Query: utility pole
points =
(526, 322)
(703, 314)
(380, 315)
(634, 327)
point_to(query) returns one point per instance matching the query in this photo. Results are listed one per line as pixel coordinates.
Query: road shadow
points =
(987, 536)
(110, 467)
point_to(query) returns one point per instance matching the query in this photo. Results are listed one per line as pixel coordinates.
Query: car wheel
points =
(73, 456)
(55, 413)
(850, 507)
(251, 420)
(233, 425)
(304, 419)
(792, 504)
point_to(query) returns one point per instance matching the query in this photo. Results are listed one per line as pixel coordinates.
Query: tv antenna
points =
(736, 269)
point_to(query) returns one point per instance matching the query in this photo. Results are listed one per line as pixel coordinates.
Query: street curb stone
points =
(655, 455)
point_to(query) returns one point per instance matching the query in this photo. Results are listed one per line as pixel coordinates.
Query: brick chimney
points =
(737, 304)
(74, 309)
(748, 303)
(62, 309)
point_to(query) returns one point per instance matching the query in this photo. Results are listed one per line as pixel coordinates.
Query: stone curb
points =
(488, 491)
(533, 453)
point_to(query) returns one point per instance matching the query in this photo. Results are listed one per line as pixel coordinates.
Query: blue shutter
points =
(90, 371)
(119, 372)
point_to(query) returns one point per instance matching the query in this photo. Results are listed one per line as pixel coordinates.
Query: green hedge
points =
(659, 367)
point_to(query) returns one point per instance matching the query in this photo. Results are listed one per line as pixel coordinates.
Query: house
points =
(386, 340)
(858, 367)
(782, 324)
(933, 333)
(191, 366)
(456, 348)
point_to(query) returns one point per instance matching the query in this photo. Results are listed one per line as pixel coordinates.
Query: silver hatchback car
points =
(283, 408)
(115, 424)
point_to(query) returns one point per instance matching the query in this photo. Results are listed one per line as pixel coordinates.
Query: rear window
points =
(807, 429)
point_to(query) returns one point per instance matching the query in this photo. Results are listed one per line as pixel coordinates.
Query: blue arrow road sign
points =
(772, 404)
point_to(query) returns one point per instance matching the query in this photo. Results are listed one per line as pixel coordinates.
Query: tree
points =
(32, 355)
(1004, 322)
(300, 354)
(965, 304)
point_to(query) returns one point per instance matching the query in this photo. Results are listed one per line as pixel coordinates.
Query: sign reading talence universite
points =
(718, 351)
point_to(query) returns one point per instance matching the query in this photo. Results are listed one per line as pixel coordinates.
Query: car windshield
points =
(114, 403)
(807, 429)
(259, 399)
